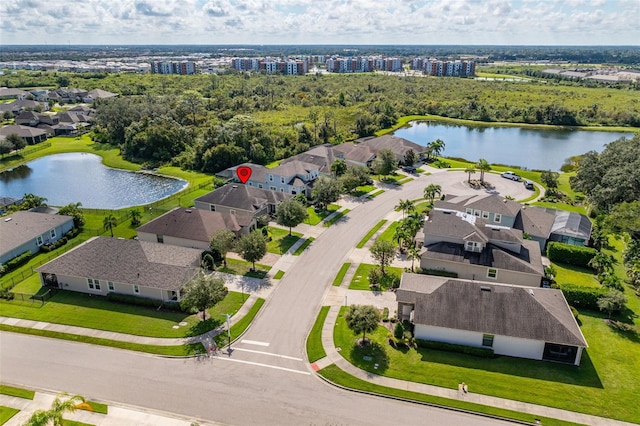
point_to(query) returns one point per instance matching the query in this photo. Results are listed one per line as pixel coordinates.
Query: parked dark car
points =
(528, 184)
(409, 169)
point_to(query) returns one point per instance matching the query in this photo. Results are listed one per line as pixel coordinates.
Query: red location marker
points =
(244, 173)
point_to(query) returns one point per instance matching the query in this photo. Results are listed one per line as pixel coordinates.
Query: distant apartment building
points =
(173, 67)
(363, 64)
(439, 68)
(287, 66)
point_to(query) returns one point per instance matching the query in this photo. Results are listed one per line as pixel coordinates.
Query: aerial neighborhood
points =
(337, 245)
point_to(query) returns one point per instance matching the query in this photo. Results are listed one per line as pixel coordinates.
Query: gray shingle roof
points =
(356, 153)
(191, 224)
(22, 131)
(467, 227)
(128, 261)
(321, 156)
(294, 168)
(243, 197)
(536, 221)
(488, 202)
(258, 172)
(399, 146)
(537, 314)
(20, 227)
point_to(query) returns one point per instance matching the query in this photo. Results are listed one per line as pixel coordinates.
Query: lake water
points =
(73, 177)
(527, 148)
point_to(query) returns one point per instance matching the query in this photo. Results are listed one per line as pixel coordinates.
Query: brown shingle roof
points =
(537, 314)
(128, 261)
(191, 224)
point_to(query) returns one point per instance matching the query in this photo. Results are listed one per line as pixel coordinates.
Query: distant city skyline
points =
(351, 22)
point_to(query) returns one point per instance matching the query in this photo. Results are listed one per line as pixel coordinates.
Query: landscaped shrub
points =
(398, 331)
(49, 247)
(572, 255)
(142, 301)
(437, 272)
(72, 233)
(385, 315)
(17, 261)
(582, 297)
(574, 311)
(6, 294)
(375, 276)
(451, 347)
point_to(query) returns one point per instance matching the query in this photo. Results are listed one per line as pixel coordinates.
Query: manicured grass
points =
(281, 241)
(363, 189)
(97, 407)
(7, 413)
(17, 392)
(404, 180)
(341, 273)
(66, 422)
(241, 267)
(360, 280)
(337, 217)
(373, 230)
(303, 246)
(387, 234)
(569, 274)
(375, 194)
(181, 350)
(239, 327)
(84, 310)
(561, 206)
(278, 275)
(603, 384)
(315, 350)
(31, 285)
(393, 178)
(334, 374)
(315, 218)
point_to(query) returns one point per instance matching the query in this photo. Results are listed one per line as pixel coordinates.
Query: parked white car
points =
(510, 175)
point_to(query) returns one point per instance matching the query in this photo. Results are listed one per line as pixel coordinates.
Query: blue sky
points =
(467, 22)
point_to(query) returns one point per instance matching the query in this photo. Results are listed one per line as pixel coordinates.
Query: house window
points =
(111, 286)
(270, 178)
(472, 246)
(232, 211)
(492, 273)
(487, 340)
(273, 188)
(260, 185)
(93, 284)
(136, 289)
(160, 238)
(477, 213)
(282, 180)
(39, 240)
(497, 218)
(281, 189)
(212, 207)
(52, 233)
(485, 215)
(468, 211)
(249, 183)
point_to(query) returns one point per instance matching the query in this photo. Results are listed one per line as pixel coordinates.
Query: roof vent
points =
(484, 288)
(531, 292)
(188, 211)
(234, 186)
(8, 219)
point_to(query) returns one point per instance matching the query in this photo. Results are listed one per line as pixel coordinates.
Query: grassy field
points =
(317, 217)
(341, 273)
(84, 310)
(315, 350)
(281, 241)
(369, 234)
(360, 280)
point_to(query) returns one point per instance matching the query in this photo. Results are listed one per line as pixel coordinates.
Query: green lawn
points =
(66, 422)
(363, 189)
(239, 327)
(6, 413)
(561, 206)
(83, 310)
(281, 241)
(317, 217)
(375, 194)
(30, 285)
(337, 217)
(303, 246)
(360, 280)
(278, 275)
(97, 407)
(315, 350)
(241, 267)
(17, 392)
(569, 274)
(387, 234)
(404, 180)
(341, 273)
(372, 231)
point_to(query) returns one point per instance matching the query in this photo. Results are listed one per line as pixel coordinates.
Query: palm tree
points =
(437, 147)
(135, 215)
(470, 171)
(401, 235)
(405, 205)
(59, 407)
(484, 166)
(431, 192)
(414, 254)
(110, 222)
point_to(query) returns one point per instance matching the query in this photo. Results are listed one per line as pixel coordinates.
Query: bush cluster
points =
(5, 293)
(17, 261)
(49, 247)
(582, 297)
(572, 255)
(142, 301)
(451, 347)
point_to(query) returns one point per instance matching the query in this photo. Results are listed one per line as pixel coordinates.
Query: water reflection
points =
(20, 172)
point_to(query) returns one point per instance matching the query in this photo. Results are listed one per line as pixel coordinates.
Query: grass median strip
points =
(315, 350)
(180, 350)
(373, 230)
(17, 392)
(334, 374)
(337, 217)
(239, 327)
(375, 194)
(6, 413)
(303, 246)
(278, 275)
(341, 273)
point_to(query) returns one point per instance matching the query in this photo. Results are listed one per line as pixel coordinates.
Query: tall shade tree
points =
(405, 205)
(550, 179)
(414, 254)
(30, 201)
(59, 407)
(362, 319)
(5, 147)
(222, 242)
(109, 222)
(326, 191)
(484, 166)
(385, 162)
(202, 293)
(431, 192)
(383, 252)
(291, 213)
(252, 247)
(18, 142)
(338, 167)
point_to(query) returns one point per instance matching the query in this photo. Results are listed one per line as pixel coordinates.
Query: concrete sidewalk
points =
(334, 357)
(117, 414)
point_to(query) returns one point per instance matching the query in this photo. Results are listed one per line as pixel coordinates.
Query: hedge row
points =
(17, 261)
(142, 301)
(49, 247)
(451, 347)
(583, 297)
(572, 255)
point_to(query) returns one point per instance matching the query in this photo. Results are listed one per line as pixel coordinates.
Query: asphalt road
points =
(267, 379)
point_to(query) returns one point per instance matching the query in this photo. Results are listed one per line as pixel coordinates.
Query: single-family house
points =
(11, 93)
(191, 227)
(20, 105)
(241, 200)
(355, 154)
(139, 268)
(258, 175)
(97, 94)
(510, 320)
(399, 146)
(24, 231)
(476, 249)
(322, 156)
(7, 202)
(31, 135)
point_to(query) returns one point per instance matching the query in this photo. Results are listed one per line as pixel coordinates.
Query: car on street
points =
(510, 175)
(528, 184)
(409, 169)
